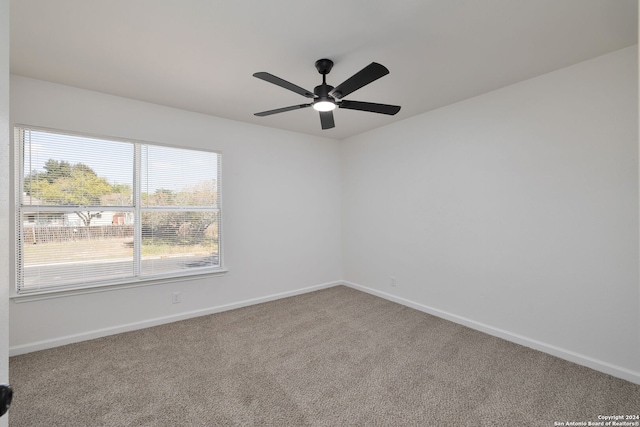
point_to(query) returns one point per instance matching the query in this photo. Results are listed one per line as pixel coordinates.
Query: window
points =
(96, 211)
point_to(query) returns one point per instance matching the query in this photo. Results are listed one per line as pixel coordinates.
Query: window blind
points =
(95, 211)
(179, 213)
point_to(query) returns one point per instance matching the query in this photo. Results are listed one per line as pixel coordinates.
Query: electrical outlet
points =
(176, 298)
(393, 281)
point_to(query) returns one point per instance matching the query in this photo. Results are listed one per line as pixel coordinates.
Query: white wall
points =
(515, 212)
(281, 215)
(4, 196)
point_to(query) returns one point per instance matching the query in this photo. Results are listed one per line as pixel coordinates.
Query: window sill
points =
(152, 281)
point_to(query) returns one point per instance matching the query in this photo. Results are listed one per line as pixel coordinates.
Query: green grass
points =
(86, 250)
(159, 250)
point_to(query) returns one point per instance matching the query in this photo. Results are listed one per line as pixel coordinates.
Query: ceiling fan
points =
(326, 98)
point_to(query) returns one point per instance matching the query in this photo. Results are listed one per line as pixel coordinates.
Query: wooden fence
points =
(48, 234)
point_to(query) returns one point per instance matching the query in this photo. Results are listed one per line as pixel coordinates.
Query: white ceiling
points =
(199, 55)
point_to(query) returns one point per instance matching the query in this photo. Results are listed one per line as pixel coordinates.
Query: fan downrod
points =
(324, 66)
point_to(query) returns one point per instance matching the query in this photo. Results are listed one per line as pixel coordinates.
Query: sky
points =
(162, 167)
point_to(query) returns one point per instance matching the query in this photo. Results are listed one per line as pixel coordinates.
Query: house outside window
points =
(93, 211)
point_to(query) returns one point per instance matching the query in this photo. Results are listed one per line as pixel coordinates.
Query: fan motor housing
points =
(322, 91)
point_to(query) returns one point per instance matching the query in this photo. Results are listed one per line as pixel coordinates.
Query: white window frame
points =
(137, 209)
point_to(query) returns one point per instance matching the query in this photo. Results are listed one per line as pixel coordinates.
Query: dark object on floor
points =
(6, 394)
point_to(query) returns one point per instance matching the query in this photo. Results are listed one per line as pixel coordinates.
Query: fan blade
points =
(283, 83)
(363, 77)
(282, 110)
(370, 107)
(326, 119)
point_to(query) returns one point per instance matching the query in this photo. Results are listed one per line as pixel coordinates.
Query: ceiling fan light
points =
(324, 106)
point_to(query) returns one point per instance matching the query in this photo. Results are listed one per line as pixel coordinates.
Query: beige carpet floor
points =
(335, 357)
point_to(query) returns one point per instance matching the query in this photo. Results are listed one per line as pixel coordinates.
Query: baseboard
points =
(99, 333)
(568, 355)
